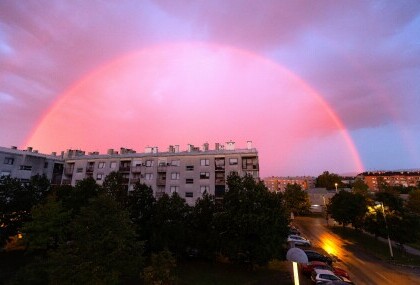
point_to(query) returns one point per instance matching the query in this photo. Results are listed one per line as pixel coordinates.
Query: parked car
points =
(298, 240)
(310, 266)
(316, 256)
(293, 230)
(322, 276)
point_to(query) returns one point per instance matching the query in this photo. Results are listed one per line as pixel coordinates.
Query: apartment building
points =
(23, 164)
(392, 178)
(190, 173)
(276, 184)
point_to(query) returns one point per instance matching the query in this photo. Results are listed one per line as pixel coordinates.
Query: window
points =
(136, 162)
(175, 175)
(233, 161)
(174, 189)
(189, 167)
(204, 162)
(113, 164)
(99, 176)
(189, 181)
(175, 162)
(204, 175)
(45, 164)
(149, 176)
(189, 194)
(9, 160)
(149, 163)
(204, 189)
(101, 164)
(4, 173)
(25, 167)
(79, 170)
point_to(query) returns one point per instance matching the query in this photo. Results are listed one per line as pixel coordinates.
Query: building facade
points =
(23, 164)
(189, 173)
(278, 184)
(391, 178)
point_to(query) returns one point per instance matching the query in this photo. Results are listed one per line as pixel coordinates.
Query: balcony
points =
(161, 181)
(220, 168)
(162, 168)
(134, 180)
(220, 181)
(89, 169)
(250, 167)
(124, 168)
(68, 171)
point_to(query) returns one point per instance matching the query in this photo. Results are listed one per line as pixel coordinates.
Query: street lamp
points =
(386, 226)
(336, 190)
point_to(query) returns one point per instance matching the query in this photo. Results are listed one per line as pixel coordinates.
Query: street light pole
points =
(336, 190)
(387, 231)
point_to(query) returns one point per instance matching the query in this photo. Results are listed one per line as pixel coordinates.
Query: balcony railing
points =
(136, 169)
(161, 182)
(124, 168)
(220, 181)
(89, 169)
(162, 168)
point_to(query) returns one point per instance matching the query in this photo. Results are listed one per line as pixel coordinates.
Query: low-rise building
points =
(391, 178)
(275, 183)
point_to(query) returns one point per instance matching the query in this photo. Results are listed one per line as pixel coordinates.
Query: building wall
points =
(391, 178)
(23, 164)
(275, 183)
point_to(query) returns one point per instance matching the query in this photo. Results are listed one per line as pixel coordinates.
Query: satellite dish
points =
(296, 255)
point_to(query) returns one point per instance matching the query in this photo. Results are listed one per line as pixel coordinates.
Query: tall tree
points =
(328, 180)
(114, 186)
(297, 200)
(413, 203)
(348, 208)
(359, 186)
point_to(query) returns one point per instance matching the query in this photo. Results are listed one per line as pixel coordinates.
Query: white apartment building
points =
(190, 173)
(23, 164)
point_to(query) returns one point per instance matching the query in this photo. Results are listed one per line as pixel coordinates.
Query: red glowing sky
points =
(196, 93)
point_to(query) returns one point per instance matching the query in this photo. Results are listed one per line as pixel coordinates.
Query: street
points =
(362, 267)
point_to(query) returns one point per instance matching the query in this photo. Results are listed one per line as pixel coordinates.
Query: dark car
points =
(316, 256)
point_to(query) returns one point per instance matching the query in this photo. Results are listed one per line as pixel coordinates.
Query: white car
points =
(298, 240)
(322, 276)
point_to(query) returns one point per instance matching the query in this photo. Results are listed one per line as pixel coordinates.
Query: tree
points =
(328, 180)
(78, 197)
(252, 223)
(348, 208)
(413, 203)
(297, 200)
(114, 186)
(359, 186)
(103, 248)
(160, 271)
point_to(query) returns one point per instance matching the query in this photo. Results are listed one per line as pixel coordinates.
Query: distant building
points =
(391, 178)
(23, 164)
(190, 173)
(276, 184)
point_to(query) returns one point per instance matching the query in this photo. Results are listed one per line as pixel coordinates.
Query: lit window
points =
(4, 173)
(99, 176)
(204, 162)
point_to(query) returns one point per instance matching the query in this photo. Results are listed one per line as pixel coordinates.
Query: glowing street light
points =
(336, 189)
(386, 226)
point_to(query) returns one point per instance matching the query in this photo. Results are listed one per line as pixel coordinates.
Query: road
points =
(362, 267)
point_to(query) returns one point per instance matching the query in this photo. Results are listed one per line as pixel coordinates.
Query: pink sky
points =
(99, 75)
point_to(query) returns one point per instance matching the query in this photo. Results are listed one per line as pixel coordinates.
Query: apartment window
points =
(101, 165)
(175, 175)
(99, 176)
(189, 181)
(204, 175)
(137, 163)
(25, 167)
(189, 194)
(9, 160)
(233, 161)
(149, 176)
(204, 162)
(4, 173)
(79, 170)
(149, 163)
(174, 189)
(175, 162)
(189, 167)
(113, 165)
(204, 189)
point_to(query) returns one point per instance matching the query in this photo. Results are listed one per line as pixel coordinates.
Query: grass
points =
(376, 247)
(208, 273)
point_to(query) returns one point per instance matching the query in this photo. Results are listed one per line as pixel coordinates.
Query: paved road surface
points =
(362, 267)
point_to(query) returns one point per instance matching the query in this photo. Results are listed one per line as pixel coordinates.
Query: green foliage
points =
(253, 223)
(413, 203)
(103, 247)
(359, 186)
(161, 270)
(328, 180)
(114, 186)
(391, 199)
(348, 208)
(296, 200)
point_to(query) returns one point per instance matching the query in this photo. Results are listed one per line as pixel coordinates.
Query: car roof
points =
(323, 271)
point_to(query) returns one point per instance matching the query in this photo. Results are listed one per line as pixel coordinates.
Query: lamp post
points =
(387, 230)
(336, 189)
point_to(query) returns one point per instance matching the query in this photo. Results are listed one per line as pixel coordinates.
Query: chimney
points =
(190, 147)
(176, 148)
(29, 148)
(171, 148)
(110, 151)
(14, 147)
(249, 144)
(230, 145)
(206, 146)
(54, 153)
(217, 146)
